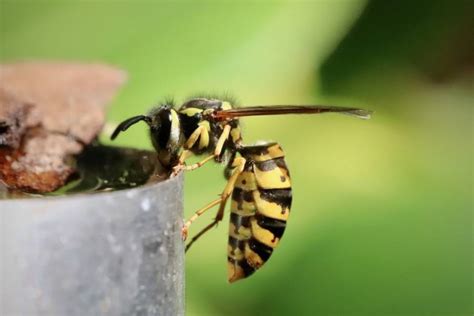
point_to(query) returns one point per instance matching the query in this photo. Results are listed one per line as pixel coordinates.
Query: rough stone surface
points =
(48, 112)
(14, 119)
(40, 165)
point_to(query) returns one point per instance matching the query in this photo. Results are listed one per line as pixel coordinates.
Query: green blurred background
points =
(381, 221)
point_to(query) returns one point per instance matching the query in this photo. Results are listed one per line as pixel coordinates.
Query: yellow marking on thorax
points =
(226, 105)
(277, 178)
(208, 111)
(263, 235)
(191, 111)
(270, 209)
(274, 151)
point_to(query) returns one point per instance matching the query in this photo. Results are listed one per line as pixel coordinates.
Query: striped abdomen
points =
(260, 207)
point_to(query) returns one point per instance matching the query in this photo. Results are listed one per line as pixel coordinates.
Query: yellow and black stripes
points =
(260, 206)
(259, 183)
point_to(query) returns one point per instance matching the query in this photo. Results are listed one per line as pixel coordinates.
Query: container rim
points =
(95, 195)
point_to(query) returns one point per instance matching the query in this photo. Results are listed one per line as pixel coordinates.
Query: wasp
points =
(258, 180)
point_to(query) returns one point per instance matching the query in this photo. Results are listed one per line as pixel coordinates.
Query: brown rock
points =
(13, 119)
(48, 112)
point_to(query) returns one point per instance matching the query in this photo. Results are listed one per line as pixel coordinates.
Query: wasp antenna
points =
(127, 123)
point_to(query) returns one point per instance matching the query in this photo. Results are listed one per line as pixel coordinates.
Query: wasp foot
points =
(177, 169)
(184, 232)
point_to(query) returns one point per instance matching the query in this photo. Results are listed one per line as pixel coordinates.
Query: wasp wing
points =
(291, 109)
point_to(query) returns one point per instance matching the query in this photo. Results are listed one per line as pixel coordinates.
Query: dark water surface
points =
(103, 168)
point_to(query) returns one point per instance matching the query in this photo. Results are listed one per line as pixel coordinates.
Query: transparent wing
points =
(291, 109)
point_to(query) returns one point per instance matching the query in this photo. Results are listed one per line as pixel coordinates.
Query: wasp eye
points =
(164, 130)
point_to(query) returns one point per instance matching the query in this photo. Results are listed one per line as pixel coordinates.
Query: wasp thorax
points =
(166, 135)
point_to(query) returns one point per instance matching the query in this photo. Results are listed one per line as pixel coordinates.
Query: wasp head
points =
(165, 132)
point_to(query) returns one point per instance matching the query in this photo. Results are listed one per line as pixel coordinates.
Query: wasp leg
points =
(186, 152)
(184, 230)
(238, 164)
(217, 151)
(190, 143)
(180, 166)
(202, 232)
(221, 140)
(199, 163)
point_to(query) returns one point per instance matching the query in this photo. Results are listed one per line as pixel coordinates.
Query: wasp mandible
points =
(258, 179)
